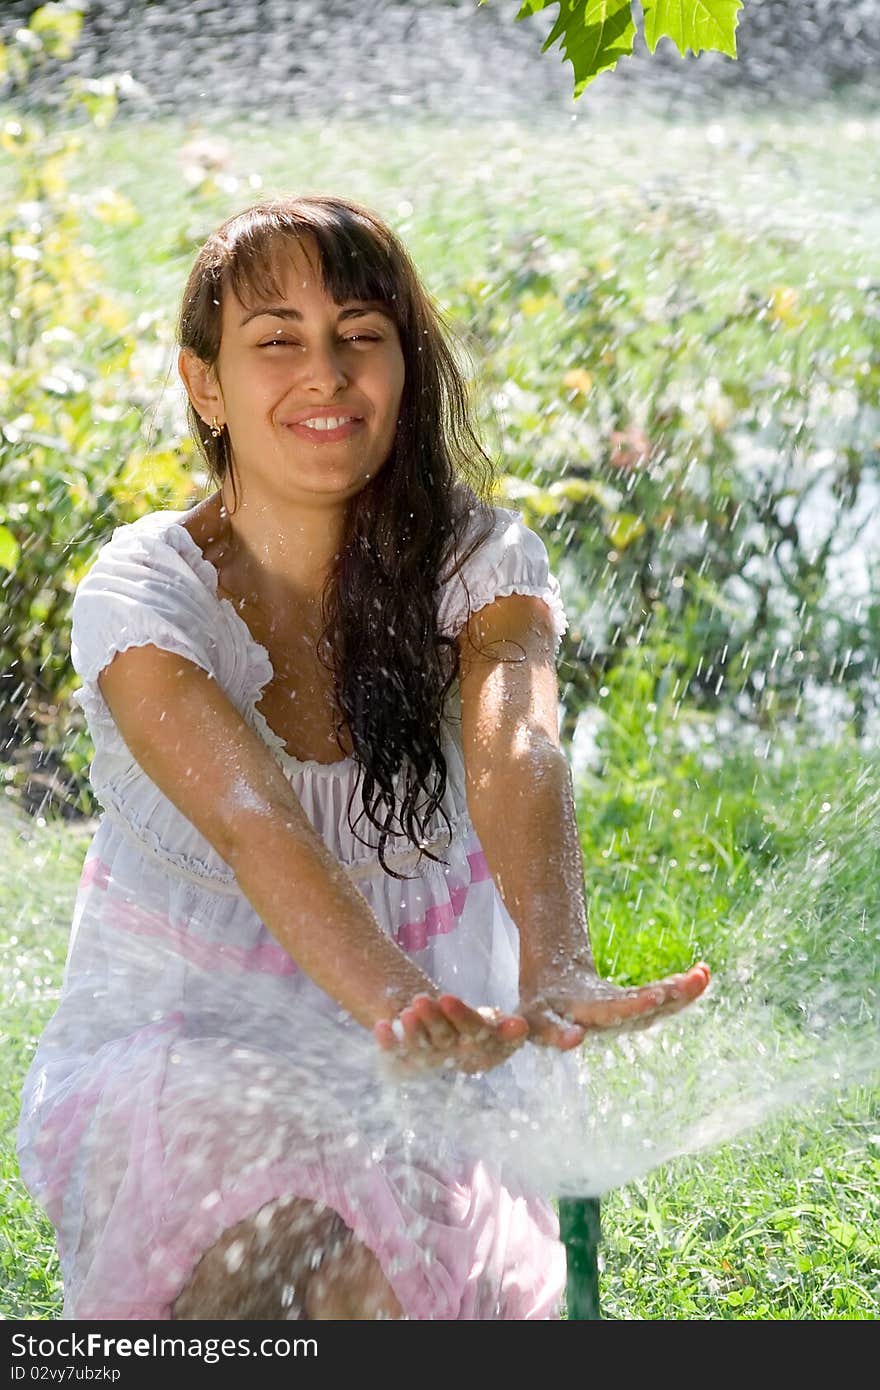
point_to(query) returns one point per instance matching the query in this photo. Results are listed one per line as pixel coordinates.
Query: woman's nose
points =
(322, 366)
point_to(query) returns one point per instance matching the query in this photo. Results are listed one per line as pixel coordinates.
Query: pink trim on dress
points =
(442, 917)
(96, 872)
(269, 957)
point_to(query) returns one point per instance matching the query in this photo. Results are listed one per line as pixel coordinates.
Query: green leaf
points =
(654, 1217)
(710, 594)
(10, 549)
(623, 529)
(58, 27)
(844, 1232)
(694, 24)
(97, 95)
(579, 489)
(595, 34)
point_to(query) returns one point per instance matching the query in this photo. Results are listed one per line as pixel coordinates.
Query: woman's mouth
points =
(327, 429)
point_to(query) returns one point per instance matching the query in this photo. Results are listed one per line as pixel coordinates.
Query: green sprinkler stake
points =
(580, 1231)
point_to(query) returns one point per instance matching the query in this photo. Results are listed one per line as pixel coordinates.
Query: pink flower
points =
(628, 448)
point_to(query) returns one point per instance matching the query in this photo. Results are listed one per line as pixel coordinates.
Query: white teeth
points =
(328, 422)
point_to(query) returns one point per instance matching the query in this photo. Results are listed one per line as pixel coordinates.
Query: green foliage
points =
(73, 463)
(670, 820)
(661, 859)
(51, 32)
(33, 947)
(595, 34)
(58, 27)
(646, 411)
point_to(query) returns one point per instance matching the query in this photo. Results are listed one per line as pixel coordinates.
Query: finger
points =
(643, 1002)
(440, 1031)
(688, 983)
(414, 1035)
(464, 1019)
(549, 1030)
(485, 1022)
(512, 1028)
(392, 1037)
(474, 1056)
(677, 991)
(675, 1003)
(664, 995)
(384, 1033)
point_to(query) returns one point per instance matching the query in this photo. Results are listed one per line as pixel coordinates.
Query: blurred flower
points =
(628, 448)
(578, 380)
(784, 306)
(203, 156)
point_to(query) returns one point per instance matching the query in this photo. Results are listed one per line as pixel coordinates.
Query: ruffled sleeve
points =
(512, 559)
(138, 591)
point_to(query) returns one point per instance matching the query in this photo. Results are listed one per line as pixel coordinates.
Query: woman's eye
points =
(355, 338)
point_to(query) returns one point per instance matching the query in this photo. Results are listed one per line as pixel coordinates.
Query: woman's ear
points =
(201, 386)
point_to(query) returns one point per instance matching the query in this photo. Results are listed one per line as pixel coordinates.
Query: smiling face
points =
(279, 363)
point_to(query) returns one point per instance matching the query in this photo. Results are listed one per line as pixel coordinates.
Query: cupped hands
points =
(556, 1011)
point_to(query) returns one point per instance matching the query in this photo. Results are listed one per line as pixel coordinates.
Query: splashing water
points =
(794, 1020)
(790, 1020)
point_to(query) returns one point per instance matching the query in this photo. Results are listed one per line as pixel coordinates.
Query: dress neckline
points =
(209, 574)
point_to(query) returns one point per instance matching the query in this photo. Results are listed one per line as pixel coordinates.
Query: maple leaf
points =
(694, 24)
(595, 34)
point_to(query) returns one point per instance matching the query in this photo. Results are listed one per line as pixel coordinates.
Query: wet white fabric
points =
(191, 1072)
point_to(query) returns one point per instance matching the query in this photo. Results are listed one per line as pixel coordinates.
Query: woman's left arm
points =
(519, 795)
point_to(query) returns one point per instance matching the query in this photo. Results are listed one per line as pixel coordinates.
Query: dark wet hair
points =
(393, 668)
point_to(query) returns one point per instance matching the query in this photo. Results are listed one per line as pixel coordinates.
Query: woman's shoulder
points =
(498, 554)
(480, 530)
(144, 586)
(146, 532)
(491, 537)
(157, 544)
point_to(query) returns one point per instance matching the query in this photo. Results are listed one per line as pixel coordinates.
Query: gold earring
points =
(216, 429)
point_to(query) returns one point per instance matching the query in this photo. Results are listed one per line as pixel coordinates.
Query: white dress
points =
(185, 1079)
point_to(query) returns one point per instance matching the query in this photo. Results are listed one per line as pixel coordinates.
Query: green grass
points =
(784, 1222)
(39, 871)
(783, 198)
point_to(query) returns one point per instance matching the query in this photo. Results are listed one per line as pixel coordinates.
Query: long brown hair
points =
(392, 667)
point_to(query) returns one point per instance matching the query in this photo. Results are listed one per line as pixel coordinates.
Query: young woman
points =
(345, 624)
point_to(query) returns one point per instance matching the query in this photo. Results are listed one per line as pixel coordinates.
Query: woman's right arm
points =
(194, 745)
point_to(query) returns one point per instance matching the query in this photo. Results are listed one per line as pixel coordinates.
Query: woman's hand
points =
(561, 1009)
(433, 1033)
